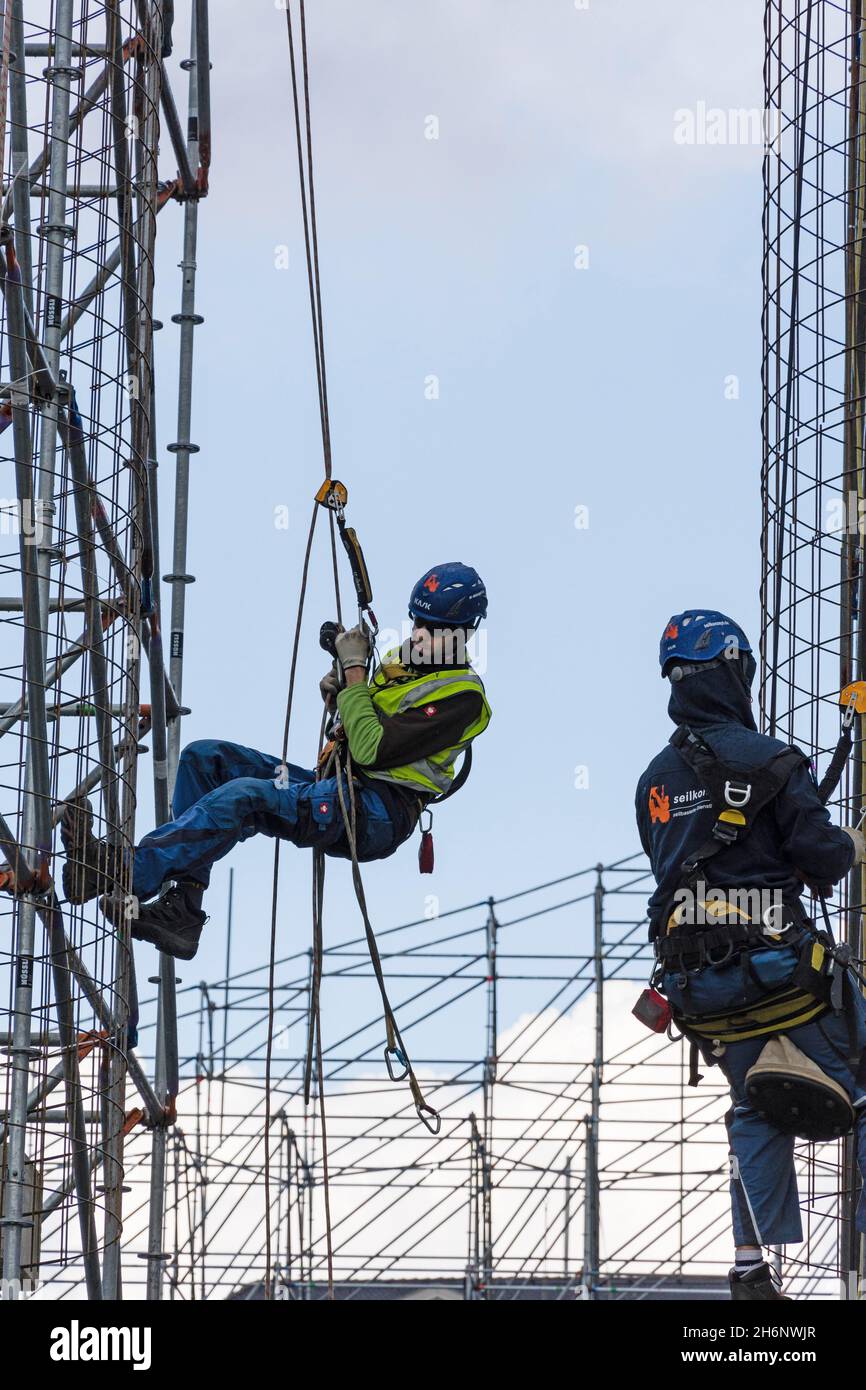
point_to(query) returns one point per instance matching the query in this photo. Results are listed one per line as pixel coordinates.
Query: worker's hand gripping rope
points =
(353, 647)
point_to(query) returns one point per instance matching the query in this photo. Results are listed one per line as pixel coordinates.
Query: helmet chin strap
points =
(693, 668)
(685, 669)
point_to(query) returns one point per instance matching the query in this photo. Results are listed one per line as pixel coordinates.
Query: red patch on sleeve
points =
(429, 709)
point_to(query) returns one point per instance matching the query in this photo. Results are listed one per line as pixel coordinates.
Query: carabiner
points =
(711, 960)
(435, 1127)
(401, 1058)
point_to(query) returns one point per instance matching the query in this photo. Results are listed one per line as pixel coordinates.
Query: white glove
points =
(859, 843)
(353, 647)
(329, 686)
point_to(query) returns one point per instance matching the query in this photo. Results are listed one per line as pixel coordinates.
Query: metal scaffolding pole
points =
(183, 448)
(35, 568)
(82, 461)
(490, 1072)
(852, 1246)
(591, 1201)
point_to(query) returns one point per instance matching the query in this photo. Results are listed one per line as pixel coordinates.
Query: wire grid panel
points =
(407, 1207)
(814, 483)
(810, 418)
(81, 198)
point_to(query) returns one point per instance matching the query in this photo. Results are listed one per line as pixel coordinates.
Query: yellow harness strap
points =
(783, 1011)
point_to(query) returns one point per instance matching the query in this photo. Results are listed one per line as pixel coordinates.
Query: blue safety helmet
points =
(701, 635)
(451, 595)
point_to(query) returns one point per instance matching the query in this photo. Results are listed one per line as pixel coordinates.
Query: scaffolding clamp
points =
(88, 1041)
(133, 1118)
(12, 881)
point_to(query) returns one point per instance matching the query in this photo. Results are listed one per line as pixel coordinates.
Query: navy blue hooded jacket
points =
(792, 838)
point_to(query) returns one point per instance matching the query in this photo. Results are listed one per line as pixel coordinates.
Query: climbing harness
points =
(395, 689)
(736, 801)
(824, 974)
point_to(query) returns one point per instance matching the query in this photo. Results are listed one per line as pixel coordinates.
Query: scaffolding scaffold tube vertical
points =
(82, 90)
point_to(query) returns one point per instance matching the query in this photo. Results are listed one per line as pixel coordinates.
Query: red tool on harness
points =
(653, 1010)
(425, 849)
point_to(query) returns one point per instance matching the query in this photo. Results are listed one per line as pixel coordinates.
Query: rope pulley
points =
(334, 495)
(853, 701)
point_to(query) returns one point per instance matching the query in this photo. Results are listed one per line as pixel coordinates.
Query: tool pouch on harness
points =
(816, 973)
(773, 1011)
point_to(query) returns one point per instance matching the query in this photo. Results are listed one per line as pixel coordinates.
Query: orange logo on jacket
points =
(659, 806)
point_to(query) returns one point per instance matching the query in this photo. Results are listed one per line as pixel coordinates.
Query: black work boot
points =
(756, 1286)
(171, 923)
(91, 865)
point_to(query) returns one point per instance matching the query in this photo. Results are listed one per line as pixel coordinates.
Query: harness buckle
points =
(738, 795)
(724, 831)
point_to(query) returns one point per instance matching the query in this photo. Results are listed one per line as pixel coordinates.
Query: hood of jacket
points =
(717, 696)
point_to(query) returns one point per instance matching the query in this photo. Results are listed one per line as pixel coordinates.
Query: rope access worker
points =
(734, 828)
(404, 728)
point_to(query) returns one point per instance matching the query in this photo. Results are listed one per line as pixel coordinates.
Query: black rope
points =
(308, 211)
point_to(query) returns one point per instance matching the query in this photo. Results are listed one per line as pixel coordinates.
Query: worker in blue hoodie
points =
(734, 829)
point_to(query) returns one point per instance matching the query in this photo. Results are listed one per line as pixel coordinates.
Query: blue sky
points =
(559, 387)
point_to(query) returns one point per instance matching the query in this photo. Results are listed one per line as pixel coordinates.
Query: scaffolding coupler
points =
(86, 1042)
(16, 883)
(334, 495)
(131, 1119)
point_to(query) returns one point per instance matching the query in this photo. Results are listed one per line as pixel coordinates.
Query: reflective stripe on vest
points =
(395, 693)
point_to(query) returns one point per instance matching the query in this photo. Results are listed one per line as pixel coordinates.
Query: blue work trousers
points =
(225, 793)
(765, 1204)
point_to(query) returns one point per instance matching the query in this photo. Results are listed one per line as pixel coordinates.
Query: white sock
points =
(747, 1258)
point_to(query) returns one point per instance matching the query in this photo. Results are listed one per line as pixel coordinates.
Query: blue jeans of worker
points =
(224, 793)
(764, 1200)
